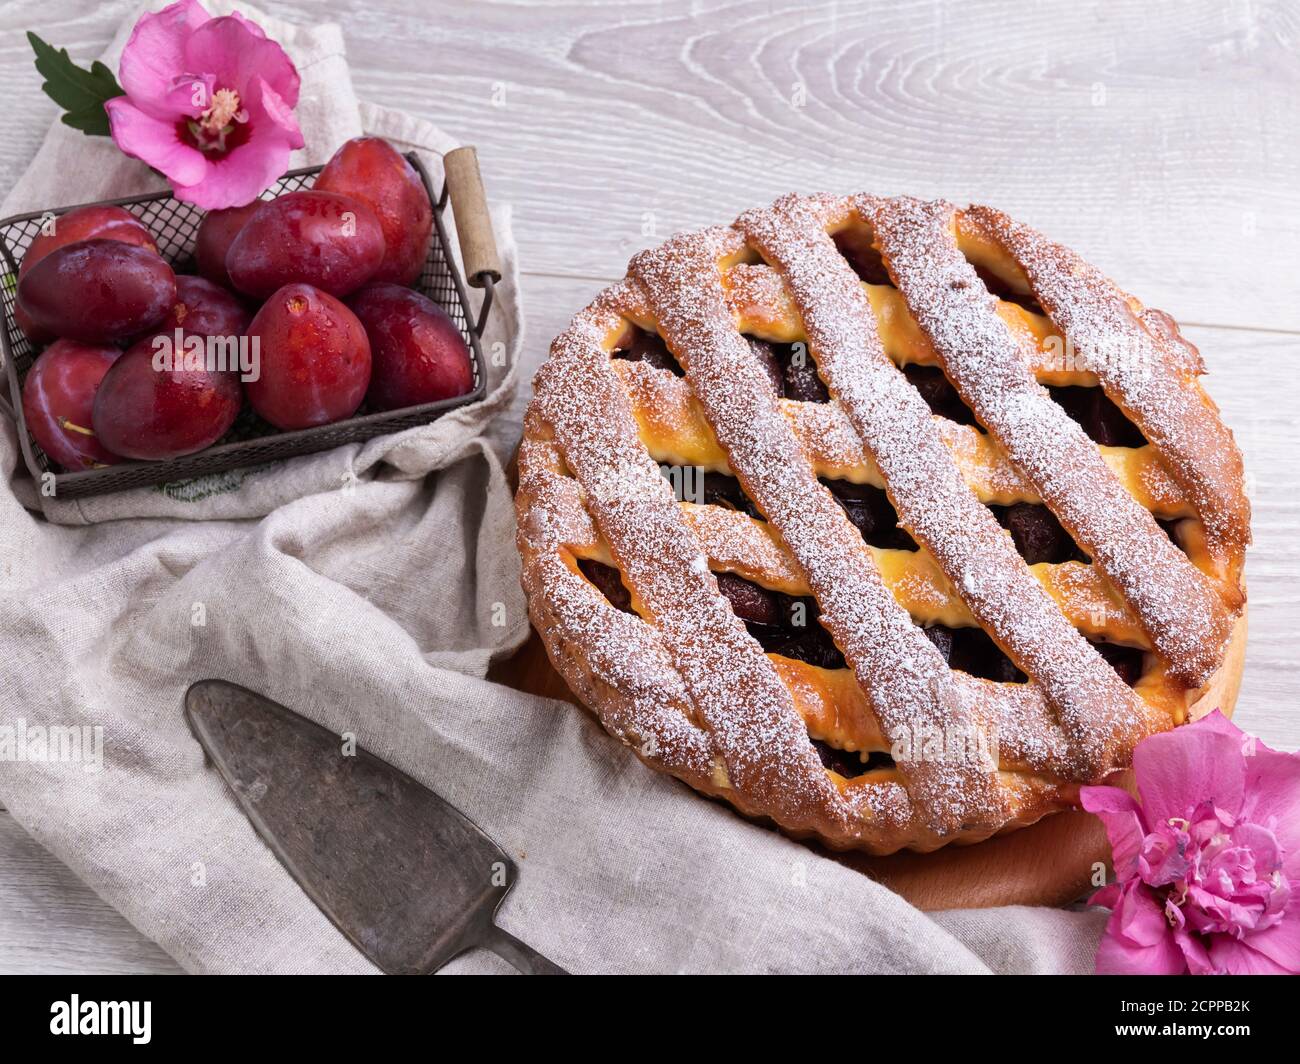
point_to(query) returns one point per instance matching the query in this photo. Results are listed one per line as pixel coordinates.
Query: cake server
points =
(403, 874)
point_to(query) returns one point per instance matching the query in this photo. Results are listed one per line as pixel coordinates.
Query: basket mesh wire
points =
(250, 441)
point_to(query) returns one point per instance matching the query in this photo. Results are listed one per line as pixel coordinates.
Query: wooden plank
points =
(1157, 139)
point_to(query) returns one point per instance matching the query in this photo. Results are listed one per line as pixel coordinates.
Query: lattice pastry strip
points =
(1140, 369)
(676, 432)
(684, 683)
(1181, 611)
(736, 543)
(906, 680)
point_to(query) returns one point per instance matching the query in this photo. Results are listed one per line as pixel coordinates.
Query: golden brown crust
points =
(682, 681)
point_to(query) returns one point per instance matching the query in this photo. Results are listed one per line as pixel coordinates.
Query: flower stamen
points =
(224, 110)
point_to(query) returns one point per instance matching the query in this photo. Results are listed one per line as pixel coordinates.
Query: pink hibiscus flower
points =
(209, 103)
(1208, 865)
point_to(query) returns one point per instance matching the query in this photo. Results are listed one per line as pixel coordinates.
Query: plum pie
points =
(887, 521)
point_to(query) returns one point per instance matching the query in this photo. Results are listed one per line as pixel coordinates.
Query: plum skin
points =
(313, 359)
(84, 223)
(373, 171)
(417, 353)
(330, 241)
(88, 223)
(148, 413)
(216, 233)
(98, 291)
(38, 336)
(204, 309)
(58, 400)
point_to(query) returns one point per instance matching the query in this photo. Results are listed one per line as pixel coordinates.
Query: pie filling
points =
(928, 270)
(787, 625)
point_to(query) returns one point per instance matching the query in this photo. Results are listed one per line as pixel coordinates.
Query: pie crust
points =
(860, 298)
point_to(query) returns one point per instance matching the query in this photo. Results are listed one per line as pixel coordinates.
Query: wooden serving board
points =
(1051, 862)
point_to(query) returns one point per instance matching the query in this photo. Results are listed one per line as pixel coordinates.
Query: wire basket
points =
(250, 441)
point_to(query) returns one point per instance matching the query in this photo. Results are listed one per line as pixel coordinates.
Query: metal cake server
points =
(408, 878)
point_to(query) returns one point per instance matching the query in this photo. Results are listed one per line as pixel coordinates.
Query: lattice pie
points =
(949, 525)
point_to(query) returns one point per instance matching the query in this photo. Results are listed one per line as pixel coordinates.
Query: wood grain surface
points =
(1158, 139)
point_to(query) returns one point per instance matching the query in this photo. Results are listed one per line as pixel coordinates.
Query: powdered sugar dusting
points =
(1097, 710)
(904, 676)
(1179, 609)
(736, 694)
(684, 683)
(1142, 371)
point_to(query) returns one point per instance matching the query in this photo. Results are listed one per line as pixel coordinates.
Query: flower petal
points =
(1273, 798)
(1177, 770)
(1281, 942)
(1231, 957)
(1107, 896)
(154, 56)
(155, 142)
(1194, 952)
(190, 95)
(253, 27)
(241, 176)
(227, 47)
(1138, 940)
(1122, 817)
(269, 102)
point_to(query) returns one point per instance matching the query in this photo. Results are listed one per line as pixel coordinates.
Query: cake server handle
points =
(519, 955)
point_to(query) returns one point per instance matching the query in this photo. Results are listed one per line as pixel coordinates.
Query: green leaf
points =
(81, 93)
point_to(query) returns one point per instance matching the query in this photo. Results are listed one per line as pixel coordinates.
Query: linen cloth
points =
(369, 588)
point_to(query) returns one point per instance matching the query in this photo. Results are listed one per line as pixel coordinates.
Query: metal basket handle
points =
(478, 245)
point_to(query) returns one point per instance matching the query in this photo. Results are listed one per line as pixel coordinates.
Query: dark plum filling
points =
(1037, 534)
(722, 490)
(1126, 661)
(849, 765)
(649, 347)
(872, 514)
(1005, 292)
(752, 604)
(855, 246)
(782, 624)
(972, 651)
(939, 394)
(799, 377)
(608, 582)
(792, 371)
(1101, 419)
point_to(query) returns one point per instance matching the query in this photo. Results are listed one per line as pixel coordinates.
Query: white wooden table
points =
(1157, 138)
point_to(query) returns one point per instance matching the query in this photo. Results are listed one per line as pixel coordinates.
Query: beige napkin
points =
(369, 588)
